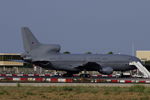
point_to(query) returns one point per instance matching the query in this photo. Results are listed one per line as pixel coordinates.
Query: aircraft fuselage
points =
(70, 62)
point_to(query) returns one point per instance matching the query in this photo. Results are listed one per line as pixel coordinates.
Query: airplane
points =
(48, 56)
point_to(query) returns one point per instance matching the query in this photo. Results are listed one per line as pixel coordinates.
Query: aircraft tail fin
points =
(29, 40)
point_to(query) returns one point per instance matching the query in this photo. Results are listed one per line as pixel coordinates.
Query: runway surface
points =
(73, 84)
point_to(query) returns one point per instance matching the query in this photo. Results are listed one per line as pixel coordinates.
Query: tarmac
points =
(73, 84)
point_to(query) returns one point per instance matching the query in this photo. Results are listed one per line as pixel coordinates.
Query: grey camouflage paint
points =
(48, 56)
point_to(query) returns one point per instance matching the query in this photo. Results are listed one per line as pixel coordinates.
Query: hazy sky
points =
(78, 26)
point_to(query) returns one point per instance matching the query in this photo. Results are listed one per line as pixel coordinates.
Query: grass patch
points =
(67, 89)
(29, 93)
(4, 92)
(137, 88)
(75, 93)
(18, 85)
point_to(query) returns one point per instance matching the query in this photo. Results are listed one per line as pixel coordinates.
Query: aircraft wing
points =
(88, 66)
(76, 65)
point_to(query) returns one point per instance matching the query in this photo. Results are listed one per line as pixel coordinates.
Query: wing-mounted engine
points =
(93, 66)
(106, 70)
(90, 66)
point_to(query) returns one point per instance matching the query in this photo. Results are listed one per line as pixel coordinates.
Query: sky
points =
(79, 26)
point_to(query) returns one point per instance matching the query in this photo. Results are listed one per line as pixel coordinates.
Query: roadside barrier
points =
(53, 80)
(23, 79)
(41, 78)
(147, 81)
(25, 75)
(104, 75)
(71, 80)
(2, 74)
(141, 82)
(100, 81)
(48, 75)
(128, 81)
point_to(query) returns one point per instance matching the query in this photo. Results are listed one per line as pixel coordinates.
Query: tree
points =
(88, 52)
(110, 52)
(66, 52)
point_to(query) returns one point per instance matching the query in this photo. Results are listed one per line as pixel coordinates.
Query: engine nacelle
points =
(106, 70)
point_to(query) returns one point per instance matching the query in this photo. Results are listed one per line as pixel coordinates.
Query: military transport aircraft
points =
(48, 56)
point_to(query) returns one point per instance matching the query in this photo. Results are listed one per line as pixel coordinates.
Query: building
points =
(10, 59)
(143, 55)
(11, 63)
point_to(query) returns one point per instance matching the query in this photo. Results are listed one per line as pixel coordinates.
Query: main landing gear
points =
(83, 75)
(68, 75)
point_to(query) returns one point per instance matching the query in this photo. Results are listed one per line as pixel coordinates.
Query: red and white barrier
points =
(8, 74)
(48, 80)
(51, 75)
(23, 79)
(9, 78)
(18, 75)
(140, 81)
(147, 81)
(104, 75)
(54, 80)
(16, 79)
(71, 80)
(30, 74)
(26, 75)
(128, 81)
(42, 78)
(2, 74)
(114, 81)
(39, 79)
(59, 80)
